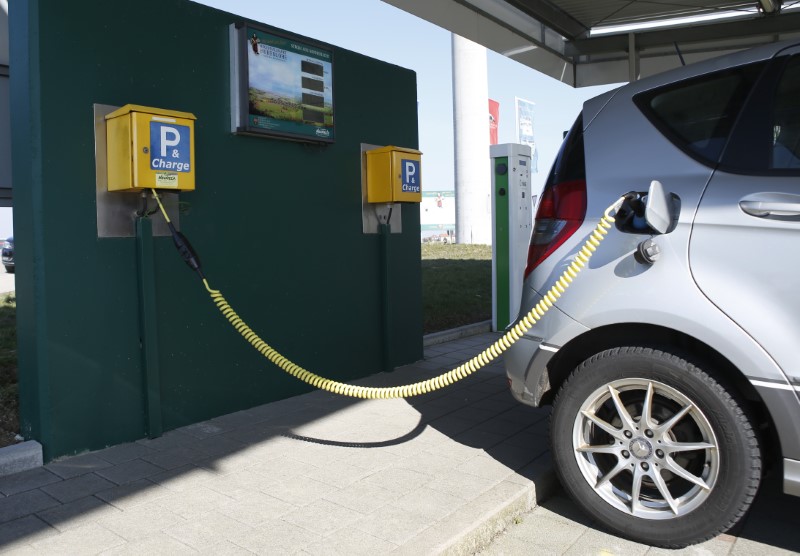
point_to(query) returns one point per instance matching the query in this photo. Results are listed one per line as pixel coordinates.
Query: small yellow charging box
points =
(150, 148)
(393, 175)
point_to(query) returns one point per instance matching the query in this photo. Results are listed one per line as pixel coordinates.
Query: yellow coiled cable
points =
(445, 379)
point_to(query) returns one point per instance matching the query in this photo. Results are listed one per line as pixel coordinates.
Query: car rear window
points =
(785, 148)
(698, 114)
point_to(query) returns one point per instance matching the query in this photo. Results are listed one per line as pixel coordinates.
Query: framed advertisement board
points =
(281, 85)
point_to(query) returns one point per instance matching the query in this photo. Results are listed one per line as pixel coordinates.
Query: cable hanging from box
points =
(485, 357)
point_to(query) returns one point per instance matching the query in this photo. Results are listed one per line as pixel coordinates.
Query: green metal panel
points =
(501, 243)
(277, 225)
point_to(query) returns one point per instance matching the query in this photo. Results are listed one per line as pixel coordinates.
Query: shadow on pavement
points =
(284, 463)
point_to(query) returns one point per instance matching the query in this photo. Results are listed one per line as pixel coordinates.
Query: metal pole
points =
(386, 321)
(148, 327)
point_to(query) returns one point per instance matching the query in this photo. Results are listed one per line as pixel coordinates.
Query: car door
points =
(744, 251)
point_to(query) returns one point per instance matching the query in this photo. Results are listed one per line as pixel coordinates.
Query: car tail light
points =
(561, 212)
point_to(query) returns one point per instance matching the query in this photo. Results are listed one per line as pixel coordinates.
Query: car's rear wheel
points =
(654, 447)
(10, 269)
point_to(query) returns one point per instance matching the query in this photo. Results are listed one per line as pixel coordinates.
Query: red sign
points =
(494, 120)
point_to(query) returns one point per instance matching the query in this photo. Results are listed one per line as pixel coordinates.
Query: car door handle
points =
(765, 205)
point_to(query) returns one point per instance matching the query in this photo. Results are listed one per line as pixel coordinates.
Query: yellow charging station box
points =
(150, 148)
(393, 175)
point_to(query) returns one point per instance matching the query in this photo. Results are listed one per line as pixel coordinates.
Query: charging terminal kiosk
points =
(512, 222)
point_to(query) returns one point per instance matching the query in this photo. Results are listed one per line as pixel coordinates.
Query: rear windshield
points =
(570, 162)
(698, 114)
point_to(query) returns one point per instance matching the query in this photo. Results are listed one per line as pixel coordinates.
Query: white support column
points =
(471, 130)
(633, 58)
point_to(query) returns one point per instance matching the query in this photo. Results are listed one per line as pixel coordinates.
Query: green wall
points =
(276, 223)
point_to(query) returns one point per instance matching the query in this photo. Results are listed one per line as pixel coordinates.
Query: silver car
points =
(672, 361)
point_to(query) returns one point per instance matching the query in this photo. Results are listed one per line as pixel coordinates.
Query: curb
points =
(498, 519)
(20, 457)
(455, 333)
(472, 528)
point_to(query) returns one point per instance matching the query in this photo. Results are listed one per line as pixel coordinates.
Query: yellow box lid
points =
(392, 148)
(128, 108)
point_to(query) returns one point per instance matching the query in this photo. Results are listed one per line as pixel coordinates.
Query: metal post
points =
(148, 328)
(386, 320)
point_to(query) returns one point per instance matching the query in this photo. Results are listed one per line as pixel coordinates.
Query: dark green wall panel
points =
(277, 225)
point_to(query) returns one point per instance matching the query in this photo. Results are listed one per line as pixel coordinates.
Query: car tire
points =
(10, 269)
(630, 469)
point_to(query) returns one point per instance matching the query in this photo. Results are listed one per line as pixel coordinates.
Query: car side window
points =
(698, 115)
(785, 152)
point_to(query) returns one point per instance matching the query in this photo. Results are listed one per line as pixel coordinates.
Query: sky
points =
(381, 31)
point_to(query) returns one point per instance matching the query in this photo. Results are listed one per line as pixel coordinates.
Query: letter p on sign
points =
(170, 137)
(410, 171)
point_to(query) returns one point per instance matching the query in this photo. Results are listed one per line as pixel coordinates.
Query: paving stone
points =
(88, 539)
(548, 535)
(20, 532)
(201, 430)
(77, 465)
(221, 445)
(429, 503)
(281, 469)
(77, 513)
(124, 452)
(255, 508)
(430, 463)
(239, 484)
(339, 474)
(597, 542)
(506, 545)
(485, 467)
(178, 456)
(398, 479)
(231, 463)
(350, 542)
(129, 471)
(392, 524)
(158, 544)
(24, 503)
(207, 529)
(167, 441)
(133, 494)
(77, 487)
(183, 478)
(27, 480)
(299, 491)
(362, 497)
(372, 460)
(276, 537)
(191, 503)
(141, 522)
(465, 487)
(322, 517)
(227, 548)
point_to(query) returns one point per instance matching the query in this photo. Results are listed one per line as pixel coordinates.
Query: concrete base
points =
(20, 457)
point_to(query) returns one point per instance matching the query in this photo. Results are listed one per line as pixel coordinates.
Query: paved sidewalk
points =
(315, 474)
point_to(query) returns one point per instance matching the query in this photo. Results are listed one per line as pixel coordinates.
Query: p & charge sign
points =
(410, 175)
(170, 147)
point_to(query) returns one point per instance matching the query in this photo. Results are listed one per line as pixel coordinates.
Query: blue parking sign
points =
(170, 147)
(410, 175)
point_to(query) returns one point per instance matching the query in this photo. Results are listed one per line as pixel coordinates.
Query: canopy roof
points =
(594, 42)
